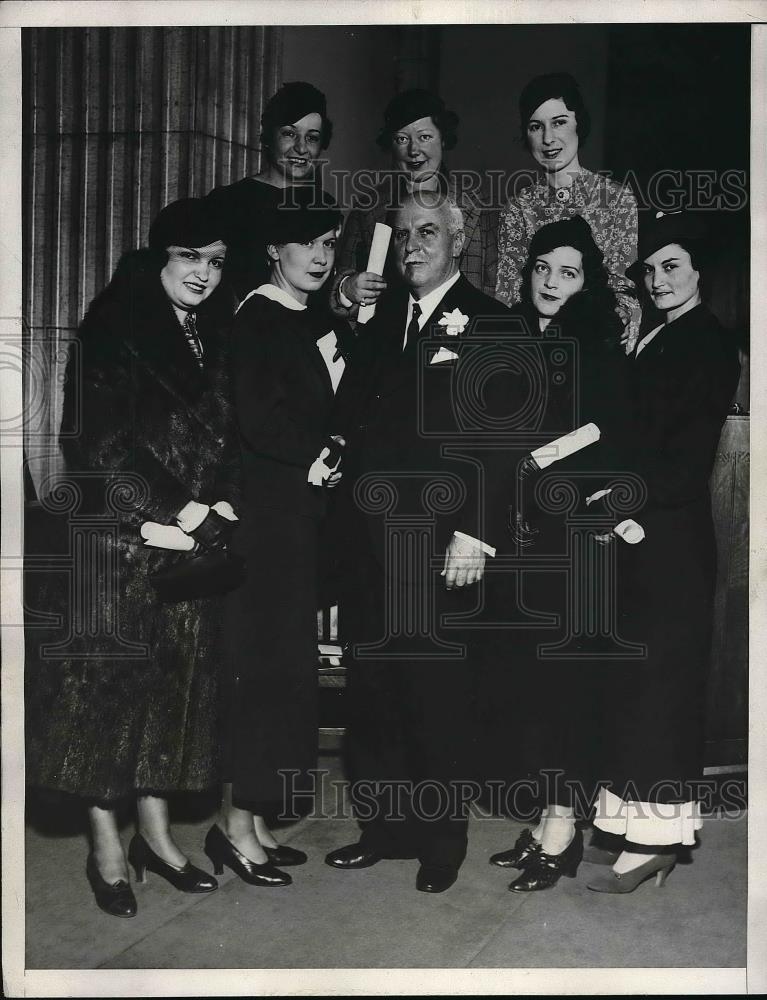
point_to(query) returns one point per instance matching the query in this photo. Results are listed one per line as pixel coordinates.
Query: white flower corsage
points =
(454, 322)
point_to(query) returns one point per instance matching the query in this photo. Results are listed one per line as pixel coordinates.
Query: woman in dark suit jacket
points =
(685, 373)
(125, 707)
(286, 368)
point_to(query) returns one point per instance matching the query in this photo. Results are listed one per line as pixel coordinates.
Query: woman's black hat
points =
(412, 105)
(303, 215)
(573, 232)
(681, 228)
(189, 222)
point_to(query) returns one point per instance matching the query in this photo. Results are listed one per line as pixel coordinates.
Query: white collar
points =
(430, 302)
(270, 291)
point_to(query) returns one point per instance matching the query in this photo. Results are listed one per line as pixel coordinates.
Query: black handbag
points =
(199, 574)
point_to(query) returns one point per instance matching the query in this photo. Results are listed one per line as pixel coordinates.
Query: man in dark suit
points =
(427, 505)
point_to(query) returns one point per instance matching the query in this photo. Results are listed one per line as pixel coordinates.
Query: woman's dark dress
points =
(284, 399)
(128, 700)
(539, 701)
(683, 382)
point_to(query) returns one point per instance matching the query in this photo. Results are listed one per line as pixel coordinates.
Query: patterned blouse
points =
(609, 208)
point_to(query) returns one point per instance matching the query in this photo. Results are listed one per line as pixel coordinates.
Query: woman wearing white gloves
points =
(128, 708)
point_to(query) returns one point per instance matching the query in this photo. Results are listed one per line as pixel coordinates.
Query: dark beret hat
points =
(292, 102)
(573, 232)
(411, 105)
(190, 222)
(303, 214)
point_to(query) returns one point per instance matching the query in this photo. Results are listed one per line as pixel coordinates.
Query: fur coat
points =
(121, 694)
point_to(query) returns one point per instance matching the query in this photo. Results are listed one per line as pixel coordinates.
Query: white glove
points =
(192, 515)
(318, 471)
(166, 536)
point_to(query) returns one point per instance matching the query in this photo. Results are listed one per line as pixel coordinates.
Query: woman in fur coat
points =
(121, 699)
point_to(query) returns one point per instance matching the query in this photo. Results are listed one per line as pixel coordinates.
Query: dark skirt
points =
(269, 717)
(654, 710)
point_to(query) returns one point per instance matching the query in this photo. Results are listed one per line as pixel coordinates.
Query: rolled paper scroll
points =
(630, 531)
(166, 536)
(566, 445)
(376, 261)
(597, 496)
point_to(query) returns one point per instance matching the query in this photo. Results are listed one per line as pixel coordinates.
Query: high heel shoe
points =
(186, 879)
(545, 870)
(611, 881)
(222, 851)
(521, 854)
(117, 898)
(284, 856)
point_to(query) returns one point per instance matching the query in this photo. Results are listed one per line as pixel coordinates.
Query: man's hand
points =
(363, 288)
(464, 563)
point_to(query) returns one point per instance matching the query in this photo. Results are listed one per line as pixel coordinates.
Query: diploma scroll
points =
(376, 261)
(566, 445)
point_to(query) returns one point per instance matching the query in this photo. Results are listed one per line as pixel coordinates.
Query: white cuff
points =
(192, 515)
(225, 509)
(345, 301)
(487, 549)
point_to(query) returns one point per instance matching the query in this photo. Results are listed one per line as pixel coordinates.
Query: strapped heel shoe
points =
(186, 879)
(222, 851)
(521, 854)
(117, 898)
(610, 881)
(545, 870)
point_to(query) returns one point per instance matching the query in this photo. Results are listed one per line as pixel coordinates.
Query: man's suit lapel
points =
(402, 365)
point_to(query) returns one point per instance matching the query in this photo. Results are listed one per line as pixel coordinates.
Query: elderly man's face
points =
(425, 252)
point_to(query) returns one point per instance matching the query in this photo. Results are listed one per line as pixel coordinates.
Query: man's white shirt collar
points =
(429, 302)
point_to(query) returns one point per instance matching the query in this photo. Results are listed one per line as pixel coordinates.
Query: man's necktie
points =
(413, 329)
(192, 337)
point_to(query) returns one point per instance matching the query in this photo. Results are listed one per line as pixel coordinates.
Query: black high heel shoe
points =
(186, 879)
(546, 869)
(116, 899)
(284, 856)
(520, 855)
(222, 851)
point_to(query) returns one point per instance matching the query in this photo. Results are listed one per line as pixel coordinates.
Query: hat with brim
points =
(675, 227)
(190, 222)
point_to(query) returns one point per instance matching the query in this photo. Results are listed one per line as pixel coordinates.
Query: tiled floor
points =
(374, 918)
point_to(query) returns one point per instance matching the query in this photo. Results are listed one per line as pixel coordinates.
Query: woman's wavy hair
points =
(590, 313)
(556, 86)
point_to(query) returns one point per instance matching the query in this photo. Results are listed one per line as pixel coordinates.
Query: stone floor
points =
(374, 918)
